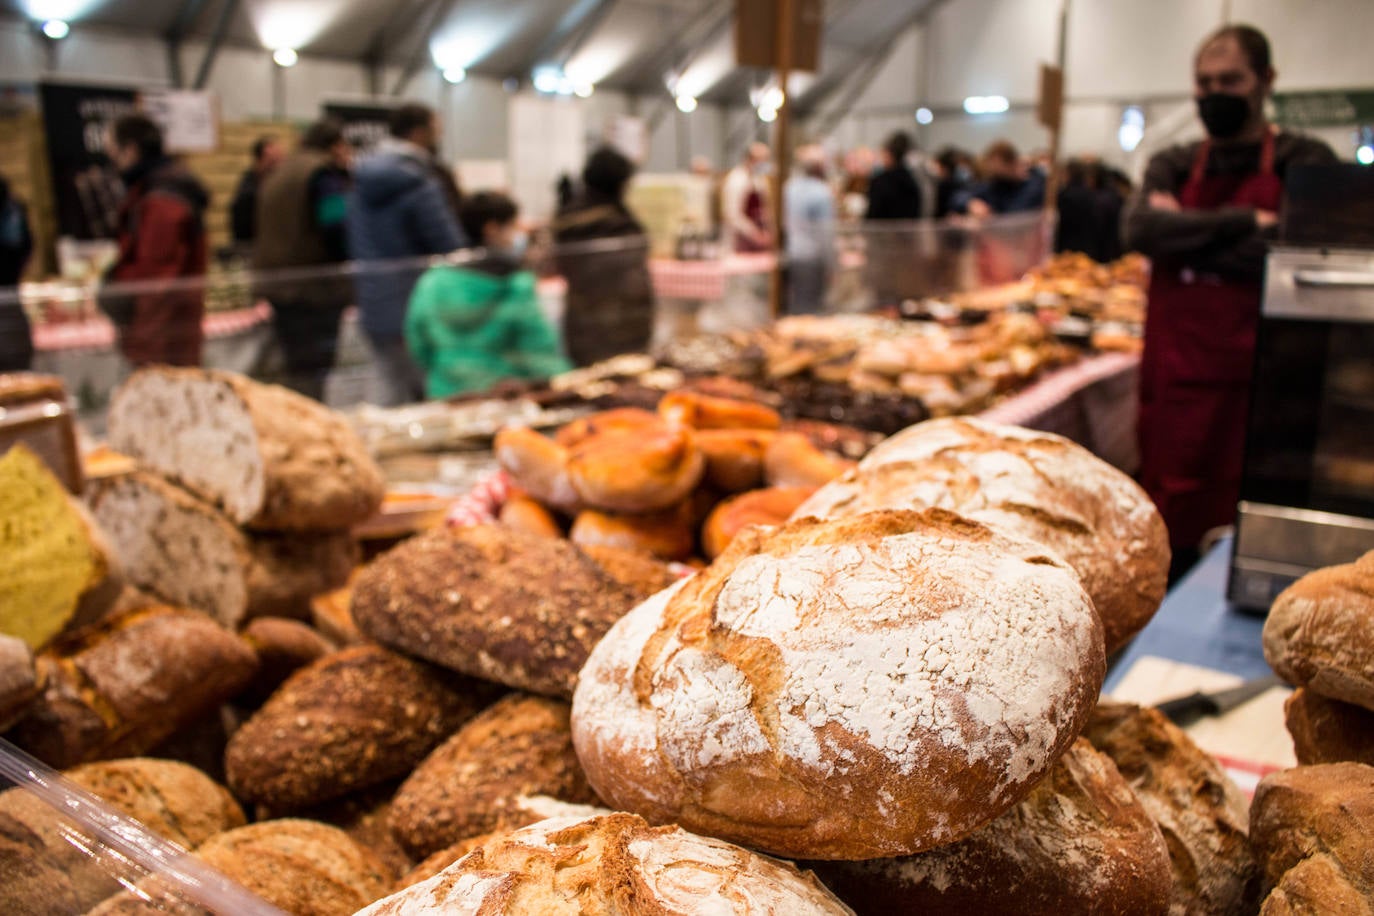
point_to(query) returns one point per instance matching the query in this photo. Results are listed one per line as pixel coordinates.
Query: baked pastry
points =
(538, 466)
(525, 514)
(921, 667)
(639, 574)
(612, 863)
(513, 608)
(772, 506)
(1329, 731)
(1031, 484)
(573, 434)
(1203, 815)
(792, 460)
(18, 680)
(470, 784)
(638, 470)
(1079, 843)
(353, 719)
(735, 457)
(706, 411)
(183, 550)
(667, 535)
(282, 647)
(1319, 631)
(267, 457)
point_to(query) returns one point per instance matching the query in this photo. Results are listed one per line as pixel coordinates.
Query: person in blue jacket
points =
(398, 214)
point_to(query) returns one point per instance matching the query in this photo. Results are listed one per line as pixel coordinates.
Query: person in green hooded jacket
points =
(469, 327)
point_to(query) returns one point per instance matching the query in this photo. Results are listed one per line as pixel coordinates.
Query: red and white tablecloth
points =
(98, 333)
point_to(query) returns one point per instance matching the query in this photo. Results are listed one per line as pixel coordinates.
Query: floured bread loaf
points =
(1203, 815)
(181, 549)
(1328, 731)
(1320, 632)
(847, 689)
(1080, 843)
(266, 456)
(614, 863)
(1031, 484)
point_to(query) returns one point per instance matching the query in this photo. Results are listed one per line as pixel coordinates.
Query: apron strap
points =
(1266, 164)
(1199, 169)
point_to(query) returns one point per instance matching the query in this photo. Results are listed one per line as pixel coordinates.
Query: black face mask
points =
(1224, 115)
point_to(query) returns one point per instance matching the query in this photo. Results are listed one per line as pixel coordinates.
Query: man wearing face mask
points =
(1205, 214)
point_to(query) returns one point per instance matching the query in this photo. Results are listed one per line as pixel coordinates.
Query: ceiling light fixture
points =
(768, 115)
(924, 115)
(583, 90)
(454, 74)
(285, 57)
(986, 104)
(1365, 155)
(56, 29)
(686, 103)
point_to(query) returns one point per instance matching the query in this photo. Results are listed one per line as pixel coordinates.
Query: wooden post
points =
(782, 149)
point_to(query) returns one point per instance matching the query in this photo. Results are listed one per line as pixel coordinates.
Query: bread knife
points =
(1188, 709)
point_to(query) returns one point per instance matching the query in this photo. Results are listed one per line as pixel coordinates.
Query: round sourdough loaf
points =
(848, 689)
(614, 863)
(1032, 484)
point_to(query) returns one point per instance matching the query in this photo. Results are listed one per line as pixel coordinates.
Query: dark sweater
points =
(893, 194)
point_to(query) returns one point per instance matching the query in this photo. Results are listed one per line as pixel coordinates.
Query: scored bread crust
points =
(613, 863)
(268, 457)
(921, 667)
(1031, 484)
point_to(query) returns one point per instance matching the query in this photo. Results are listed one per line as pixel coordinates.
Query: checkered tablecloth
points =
(98, 333)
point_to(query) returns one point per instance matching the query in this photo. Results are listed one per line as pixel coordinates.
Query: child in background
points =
(472, 326)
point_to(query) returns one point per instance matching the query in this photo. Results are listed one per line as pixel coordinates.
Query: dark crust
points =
(1316, 812)
(1329, 731)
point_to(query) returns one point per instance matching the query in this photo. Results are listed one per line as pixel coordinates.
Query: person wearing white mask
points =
(744, 202)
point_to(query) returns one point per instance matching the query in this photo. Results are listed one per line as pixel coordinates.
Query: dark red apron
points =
(1195, 373)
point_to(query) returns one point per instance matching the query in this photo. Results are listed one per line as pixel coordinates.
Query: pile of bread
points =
(1072, 282)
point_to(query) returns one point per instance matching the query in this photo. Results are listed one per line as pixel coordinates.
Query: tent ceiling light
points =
(454, 74)
(686, 103)
(924, 115)
(56, 29)
(768, 115)
(285, 57)
(986, 104)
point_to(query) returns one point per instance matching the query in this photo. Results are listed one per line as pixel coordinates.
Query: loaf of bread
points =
(282, 647)
(850, 689)
(18, 680)
(525, 514)
(614, 863)
(173, 800)
(181, 549)
(771, 506)
(470, 784)
(37, 884)
(706, 411)
(365, 816)
(267, 457)
(1080, 843)
(56, 571)
(1310, 830)
(735, 457)
(1034, 485)
(121, 687)
(1329, 731)
(1320, 630)
(353, 719)
(667, 535)
(638, 573)
(1203, 815)
(517, 609)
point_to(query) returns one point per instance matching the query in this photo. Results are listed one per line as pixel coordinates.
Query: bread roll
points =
(267, 457)
(638, 573)
(508, 607)
(1079, 843)
(1031, 484)
(351, 720)
(1329, 731)
(282, 647)
(1203, 815)
(18, 680)
(667, 535)
(36, 884)
(538, 466)
(1317, 886)
(650, 469)
(121, 687)
(524, 514)
(612, 864)
(181, 549)
(619, 420)
(705, 411)
(735, 457)
(365, 816)
(173, 800)
(1320, 630)
(772, 506)
(921, 667)
(792, 460)
(470, 784)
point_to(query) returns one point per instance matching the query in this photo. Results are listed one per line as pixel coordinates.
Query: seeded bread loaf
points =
(121, 687)
(267, 457)
(350, 720)
(18, 680)
(1329, 731)
(614, 863)
(184, 551)
(470, 785)
(640, 574)
(1031, 484)
(494, 603)
(922, 668)
(1080, 843)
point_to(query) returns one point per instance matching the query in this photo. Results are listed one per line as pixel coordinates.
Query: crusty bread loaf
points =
(1080, 843)
(667, 535)
(771, 506)
(471, 783)
(922, 667)
(1320, 632)
(266, 456)
(173, 800)
(18, 680)
(350, 720)
(1315, 820)
(36, 882)
(1203, 815)
(525, 514)
(1032, 484)
(365, 816)
(1329, 731)
(640, 574)
(518, 609)
(181, 549)
(706, 411)
(735, 457)
(119, 688)
(282, 646)
(614, 863)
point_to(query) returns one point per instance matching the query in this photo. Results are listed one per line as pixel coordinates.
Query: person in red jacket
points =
(162, 251)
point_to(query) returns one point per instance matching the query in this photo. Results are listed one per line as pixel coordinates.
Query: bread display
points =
(517, 609)
(1318, 632)
(703, 411)
(923, 667)
(350, 720)
(1079, 843)
(1328, 731)
(121, 687)
(282, 646)
(735, 458)
(1031, 484)
(55, 565)
(638, 573)
(772, 506)
(539, 467)
(267, 457)
(18, 680)
(470, 785)
(612, 863)
(793, 461)
(1203, 815)
(666, 535)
